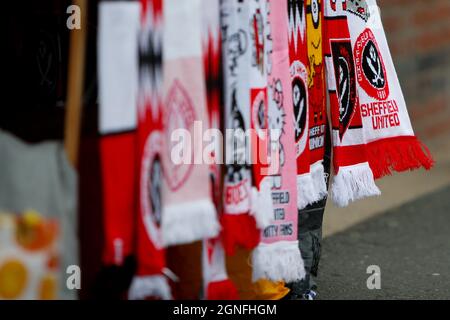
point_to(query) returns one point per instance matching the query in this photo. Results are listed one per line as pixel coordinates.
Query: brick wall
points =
(418, 33)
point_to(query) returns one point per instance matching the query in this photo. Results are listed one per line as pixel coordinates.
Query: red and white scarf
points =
(260, 65)
(277, 256)
(239, 226)
(391, 143)
(216, 284)
(372, 132)
(353, 178)
(188, 211)
(149, 280)
(317, 102)
(299, 64)
(118, 82)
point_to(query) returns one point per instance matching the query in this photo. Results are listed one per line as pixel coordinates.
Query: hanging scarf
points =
(211, 46)
(317, 104)
(298, 57)
(260, 65)
(216, 284)
(391, 143)
(188, 211)
(239, 227)
(278, 257)
(353, 178)
(149, 280)
(117, 69)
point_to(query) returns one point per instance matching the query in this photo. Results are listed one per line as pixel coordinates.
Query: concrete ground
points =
(405, 231)
(410, 244)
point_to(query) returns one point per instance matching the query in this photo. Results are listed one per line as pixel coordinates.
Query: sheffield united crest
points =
(344, 70)
(370, 69)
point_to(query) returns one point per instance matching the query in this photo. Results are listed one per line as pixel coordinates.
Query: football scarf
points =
(353, 177)
(278, 257)
(117, 69)
(216, 284)
(188, 211)
(211, 45)
(317, 104)
(239, 227)
(149, 280)
(260, 65)
(391, 143)
(298, 58)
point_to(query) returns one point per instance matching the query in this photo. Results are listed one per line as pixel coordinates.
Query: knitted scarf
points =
(216, 284)
(391, 143)
(317, 104)
(149, 280)
(298, 58)
(117, 69)
(277, 256)
(353, 178)
(239, 227)
(188, 211)
(260, 66)
(372, 132)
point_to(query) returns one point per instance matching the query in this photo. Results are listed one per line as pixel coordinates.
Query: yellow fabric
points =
(240, 272)
(268, 290)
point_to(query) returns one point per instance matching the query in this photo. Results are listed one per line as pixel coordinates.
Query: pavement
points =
(409, 243)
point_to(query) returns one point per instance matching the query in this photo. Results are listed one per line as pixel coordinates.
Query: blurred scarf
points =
(149, 280)
(277, 256)
(188, 210)
(239, 227)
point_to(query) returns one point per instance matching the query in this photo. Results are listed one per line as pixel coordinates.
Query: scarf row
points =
(259, 68)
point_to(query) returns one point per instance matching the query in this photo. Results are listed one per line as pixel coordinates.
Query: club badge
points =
(370, 69)
(180, 115)
(259, 112)
(344, 70)
(300, 104)
(151, 178)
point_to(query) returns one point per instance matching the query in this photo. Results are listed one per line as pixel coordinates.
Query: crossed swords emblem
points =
(377, 71)
(343, 84)
(300, 101)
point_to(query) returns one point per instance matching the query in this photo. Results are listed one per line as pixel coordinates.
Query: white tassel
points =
(189, 222)
(262, 204)
(306, 192)
(319, 180)
(353, 183)
(279, 261)
(143, 287)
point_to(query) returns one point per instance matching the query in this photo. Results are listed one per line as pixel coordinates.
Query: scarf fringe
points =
(239, 230)
(143, 287)
(353, 183)
(262, 205)
(319, 180)
(398, 154)
(189, 222)
(222, 290)
(306, 191)
(279, 261)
